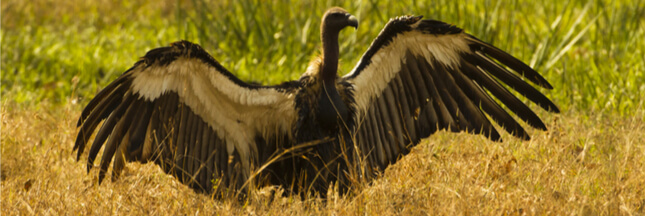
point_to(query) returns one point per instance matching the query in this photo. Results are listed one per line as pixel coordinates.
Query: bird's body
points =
(181, 109)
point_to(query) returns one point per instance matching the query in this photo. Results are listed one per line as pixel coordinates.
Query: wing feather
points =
(396, 120)
(204, 158)
(409, 129)
(191, 142)
(106, 130)
(181, 109)
(449, 112)
(118, 135)
(114, 86)
(421, 76)
(377, 139)
(93, 119)
(510, 61)
(474, 119)
(513, 81)
(139, 128)
(386, 128)
(211, 164)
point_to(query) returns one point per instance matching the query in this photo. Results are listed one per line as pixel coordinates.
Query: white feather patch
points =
(237, 114)
(386, 62)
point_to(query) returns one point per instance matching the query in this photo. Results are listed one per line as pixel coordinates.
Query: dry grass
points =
(586, 164)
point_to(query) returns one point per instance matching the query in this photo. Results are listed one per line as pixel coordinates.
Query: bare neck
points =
(330, 56)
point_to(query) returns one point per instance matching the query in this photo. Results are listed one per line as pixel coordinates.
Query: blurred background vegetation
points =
(65, 51)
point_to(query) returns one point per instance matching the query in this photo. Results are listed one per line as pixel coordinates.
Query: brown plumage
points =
(179, 108)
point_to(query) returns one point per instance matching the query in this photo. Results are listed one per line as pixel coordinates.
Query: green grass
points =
(56, 55)
(591, 52)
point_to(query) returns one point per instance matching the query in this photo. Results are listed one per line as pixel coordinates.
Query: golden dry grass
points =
(587, 164)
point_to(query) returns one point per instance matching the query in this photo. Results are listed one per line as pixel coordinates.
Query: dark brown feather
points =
(193, 149)
(406, 111)
(475, 120)
(386, 127)
(425, 113)
(99, 98)
(450, 113)
(396, 117)
(89, 125)
(508, 99)
(107, 128)
(117, 137)
(178, 149)
(380, 137)
(514, 82)
(139, 128)
(510, 61)
(211, 163)
(373, 140)
(204, 158)
(497, 113)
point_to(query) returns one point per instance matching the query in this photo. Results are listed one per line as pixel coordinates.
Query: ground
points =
(582, 165)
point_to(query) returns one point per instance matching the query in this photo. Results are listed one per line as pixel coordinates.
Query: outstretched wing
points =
(421, 76)
(179, 107)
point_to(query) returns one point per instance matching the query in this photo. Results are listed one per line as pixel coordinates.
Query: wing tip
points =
(79, 145)
(554, 109)
(495, 136)
(89, 165)
(101, 176)
(539, 125)
(510, 61)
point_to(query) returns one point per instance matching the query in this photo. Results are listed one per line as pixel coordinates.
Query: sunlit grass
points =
(55, 56)
(583, 165)
(591, 51)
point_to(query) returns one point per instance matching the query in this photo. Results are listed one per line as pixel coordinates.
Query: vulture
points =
(181, 109)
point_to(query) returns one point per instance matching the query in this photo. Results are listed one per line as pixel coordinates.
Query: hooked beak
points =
(352, 21)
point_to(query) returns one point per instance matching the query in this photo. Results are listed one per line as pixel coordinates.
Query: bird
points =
(181, 109)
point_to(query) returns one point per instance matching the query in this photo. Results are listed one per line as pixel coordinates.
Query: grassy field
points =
(55, 55)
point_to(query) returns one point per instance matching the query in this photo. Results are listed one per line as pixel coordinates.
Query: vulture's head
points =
(336, 19)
